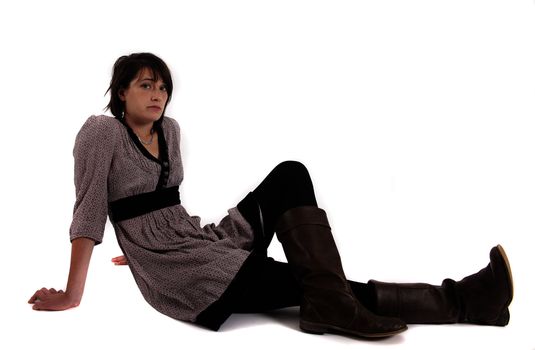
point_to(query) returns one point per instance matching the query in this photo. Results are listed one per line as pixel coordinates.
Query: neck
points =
(142, 129)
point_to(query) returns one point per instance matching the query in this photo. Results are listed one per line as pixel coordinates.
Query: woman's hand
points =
(119, 260)
(52, 300)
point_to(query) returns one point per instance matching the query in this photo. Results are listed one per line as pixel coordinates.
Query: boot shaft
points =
(309, 246)
(417, 303)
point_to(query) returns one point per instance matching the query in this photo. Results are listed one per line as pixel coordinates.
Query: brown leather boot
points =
(328, 303)
(481, 298)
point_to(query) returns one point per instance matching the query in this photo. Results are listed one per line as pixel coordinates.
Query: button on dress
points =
(180, 267)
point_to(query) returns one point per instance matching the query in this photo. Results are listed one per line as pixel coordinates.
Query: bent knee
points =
(292, 167)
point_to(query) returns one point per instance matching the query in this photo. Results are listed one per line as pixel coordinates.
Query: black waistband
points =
(139, 204)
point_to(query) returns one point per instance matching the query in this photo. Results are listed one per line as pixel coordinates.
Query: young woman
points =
(129, 168)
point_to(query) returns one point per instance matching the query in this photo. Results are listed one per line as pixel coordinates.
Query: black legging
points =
(287, 186)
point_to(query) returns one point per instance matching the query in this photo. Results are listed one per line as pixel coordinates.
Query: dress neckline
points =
(140, 146)
(163, 153)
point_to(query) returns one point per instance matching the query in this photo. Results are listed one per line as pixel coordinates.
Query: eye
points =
(145, 84)
(163, 87)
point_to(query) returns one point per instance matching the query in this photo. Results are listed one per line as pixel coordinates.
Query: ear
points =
(121, 94)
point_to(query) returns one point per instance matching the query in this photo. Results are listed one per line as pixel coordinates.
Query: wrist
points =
(74, 297)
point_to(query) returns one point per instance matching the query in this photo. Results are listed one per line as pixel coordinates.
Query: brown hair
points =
(126, 68)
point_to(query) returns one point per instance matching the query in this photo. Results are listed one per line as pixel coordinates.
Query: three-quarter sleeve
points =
(176, 138)
(93, 153)
(176, 133)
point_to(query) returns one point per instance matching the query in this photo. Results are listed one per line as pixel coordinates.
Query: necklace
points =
(148, 142)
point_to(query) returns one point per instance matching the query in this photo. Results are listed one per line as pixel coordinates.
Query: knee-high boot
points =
(481, 298)
(328, 303)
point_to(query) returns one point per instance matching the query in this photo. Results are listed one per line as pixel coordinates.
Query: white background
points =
(414, 118)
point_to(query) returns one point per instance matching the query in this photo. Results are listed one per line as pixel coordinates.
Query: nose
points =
(158, 95)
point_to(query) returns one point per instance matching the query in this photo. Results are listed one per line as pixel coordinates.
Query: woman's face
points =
(144, 98)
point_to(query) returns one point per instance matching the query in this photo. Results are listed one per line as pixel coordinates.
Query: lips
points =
(155, 107)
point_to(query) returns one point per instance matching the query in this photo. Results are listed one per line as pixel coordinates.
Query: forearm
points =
(81, 251)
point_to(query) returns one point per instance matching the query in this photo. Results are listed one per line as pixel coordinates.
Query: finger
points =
(35, 297)
(32, 298)
(49, 305)
(39, 306)
(120, 260)
(52, 290)
(39, 295)
(43, 291)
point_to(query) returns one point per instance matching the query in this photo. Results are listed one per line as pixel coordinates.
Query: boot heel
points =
(312, 328)
(503, 320)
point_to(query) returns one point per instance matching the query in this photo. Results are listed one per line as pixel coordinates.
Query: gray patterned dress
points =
(180, 267)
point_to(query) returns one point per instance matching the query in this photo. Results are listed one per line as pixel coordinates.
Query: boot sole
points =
(320, 328)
